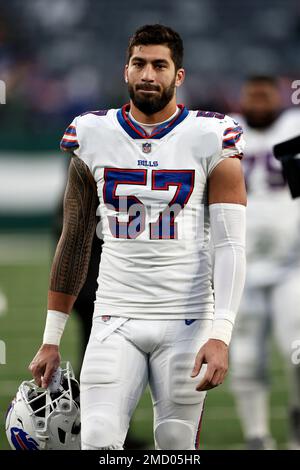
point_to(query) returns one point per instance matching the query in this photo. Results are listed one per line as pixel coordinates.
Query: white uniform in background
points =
(271, 299)
(155, 265)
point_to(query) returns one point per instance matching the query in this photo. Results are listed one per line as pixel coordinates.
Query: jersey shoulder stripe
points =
(231, 136)
(72, 138)
(69, 140)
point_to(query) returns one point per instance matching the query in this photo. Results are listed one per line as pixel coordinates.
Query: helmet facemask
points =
(41, 419)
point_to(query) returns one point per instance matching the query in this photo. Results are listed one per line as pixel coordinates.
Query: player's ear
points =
(180, 76)
(126, 73)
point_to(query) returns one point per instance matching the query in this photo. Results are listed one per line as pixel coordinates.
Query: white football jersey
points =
(272, 215)
(154, 215)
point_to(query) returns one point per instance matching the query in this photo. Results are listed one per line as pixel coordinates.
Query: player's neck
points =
(160, 116)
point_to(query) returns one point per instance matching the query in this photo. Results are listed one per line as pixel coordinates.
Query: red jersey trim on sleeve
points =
(69, 141)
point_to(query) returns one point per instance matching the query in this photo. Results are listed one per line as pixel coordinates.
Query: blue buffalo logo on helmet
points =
(22, 441)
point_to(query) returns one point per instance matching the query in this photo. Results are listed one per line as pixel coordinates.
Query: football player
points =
(163, 178)
(272, 296)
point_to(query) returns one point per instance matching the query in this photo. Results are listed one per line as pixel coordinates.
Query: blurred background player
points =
(271, 301)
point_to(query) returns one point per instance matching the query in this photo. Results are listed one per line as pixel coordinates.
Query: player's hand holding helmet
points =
(44, 364)
(46, 419)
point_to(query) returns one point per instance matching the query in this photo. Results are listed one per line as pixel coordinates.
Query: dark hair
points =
(152, 34)
(268, 79)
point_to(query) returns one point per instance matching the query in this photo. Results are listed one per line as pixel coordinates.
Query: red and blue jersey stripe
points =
(231, 136)
(69, 141)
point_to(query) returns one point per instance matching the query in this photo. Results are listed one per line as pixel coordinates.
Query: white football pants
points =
(122, 357)
(263, 311)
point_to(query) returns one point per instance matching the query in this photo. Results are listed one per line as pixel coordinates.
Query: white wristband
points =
(55, 325)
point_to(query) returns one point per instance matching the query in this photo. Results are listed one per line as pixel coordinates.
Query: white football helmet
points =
(39, 419)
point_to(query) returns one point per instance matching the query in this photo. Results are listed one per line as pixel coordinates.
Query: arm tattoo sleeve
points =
(72, 256)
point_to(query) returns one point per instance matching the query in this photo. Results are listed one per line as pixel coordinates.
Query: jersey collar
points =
(137, 132)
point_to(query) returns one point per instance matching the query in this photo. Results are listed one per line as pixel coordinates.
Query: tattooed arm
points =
(72, 256)
(70, 266)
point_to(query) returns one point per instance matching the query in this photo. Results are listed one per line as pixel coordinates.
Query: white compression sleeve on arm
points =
(228, 233)
(55, 325)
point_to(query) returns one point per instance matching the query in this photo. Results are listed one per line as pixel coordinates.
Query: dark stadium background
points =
(59, 58)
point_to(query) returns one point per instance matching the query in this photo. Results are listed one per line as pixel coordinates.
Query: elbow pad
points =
(228, 235)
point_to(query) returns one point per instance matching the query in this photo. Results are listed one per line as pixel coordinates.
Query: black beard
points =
(261, 122)
(151, 104)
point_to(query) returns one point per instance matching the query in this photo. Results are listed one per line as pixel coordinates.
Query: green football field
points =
(24, 268)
